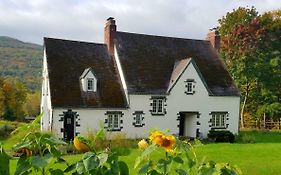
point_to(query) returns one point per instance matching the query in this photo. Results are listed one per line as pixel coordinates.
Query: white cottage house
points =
(133, 83)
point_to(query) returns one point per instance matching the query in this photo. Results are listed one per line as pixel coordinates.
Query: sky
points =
(84, 20)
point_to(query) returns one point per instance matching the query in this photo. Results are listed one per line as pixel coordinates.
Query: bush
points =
(221, 136)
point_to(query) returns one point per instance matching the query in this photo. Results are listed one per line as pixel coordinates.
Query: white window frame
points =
(219, 119)
(93, 84)
(157, 106)
(113, 121)
(138, 120)
(189, 86)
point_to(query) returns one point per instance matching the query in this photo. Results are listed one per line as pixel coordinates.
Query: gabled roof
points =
(66, 62)
(179, 68)
(148, 63)
(85, 72)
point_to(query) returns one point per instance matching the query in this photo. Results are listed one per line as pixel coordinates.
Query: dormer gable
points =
(88, 80)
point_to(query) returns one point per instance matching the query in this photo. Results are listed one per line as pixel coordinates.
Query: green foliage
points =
(221, 136)
(13, 98)
(181, 160)
(21, 61)
(43, 147)
(4, 159)
(250, 48)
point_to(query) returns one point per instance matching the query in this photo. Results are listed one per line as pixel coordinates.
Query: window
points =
(218, 119)
(138, 119)
(158, 106)
(90, 84)
(190, 85)
(114, 121)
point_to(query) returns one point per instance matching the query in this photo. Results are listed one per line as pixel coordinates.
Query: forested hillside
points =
(21, 61)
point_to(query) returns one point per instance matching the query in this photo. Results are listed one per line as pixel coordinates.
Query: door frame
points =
(72, 117)
(182, 122)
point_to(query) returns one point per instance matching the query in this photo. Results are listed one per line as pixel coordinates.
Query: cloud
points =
(31, 20)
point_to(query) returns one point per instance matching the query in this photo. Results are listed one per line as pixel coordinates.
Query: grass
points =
(260, 157)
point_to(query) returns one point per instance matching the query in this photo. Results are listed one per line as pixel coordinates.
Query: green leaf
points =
(181, 171)
(5, 161)
(137, 162)
(90, 161)
(39, 162)
(80, 168)
(178, 160)
(144, 169)
(23, 165)
(56, 172)
(70, 168)
(123, 167)
(148, 150)
(154, 172)
(55, 152)
(102, 158)
(24, 144)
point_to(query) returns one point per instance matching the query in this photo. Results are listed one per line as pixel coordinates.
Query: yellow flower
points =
(156, 137)
(142, 144)
(168, 142)
(80, 146)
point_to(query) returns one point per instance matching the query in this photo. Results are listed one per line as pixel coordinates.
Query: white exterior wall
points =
(45, 106)
(177, 101)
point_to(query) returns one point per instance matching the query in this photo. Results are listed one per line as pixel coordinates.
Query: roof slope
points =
(66, 62)
(148, 62)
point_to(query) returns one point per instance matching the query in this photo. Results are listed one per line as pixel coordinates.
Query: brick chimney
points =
(110, 34)
(214, 37)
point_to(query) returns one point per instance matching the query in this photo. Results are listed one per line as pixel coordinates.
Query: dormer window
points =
(88, 80)
(90, 84)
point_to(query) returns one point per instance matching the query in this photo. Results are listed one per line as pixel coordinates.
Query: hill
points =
(21, 61)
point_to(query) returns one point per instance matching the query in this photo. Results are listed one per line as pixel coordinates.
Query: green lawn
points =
(260, 158)
(252, 159)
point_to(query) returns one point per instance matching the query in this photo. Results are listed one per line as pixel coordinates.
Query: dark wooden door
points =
(68, 124)
(181, 125)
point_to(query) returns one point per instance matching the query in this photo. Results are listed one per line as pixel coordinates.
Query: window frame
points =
(189, 87)
(93, 84)
(158, 106)
(218, 120)
(112, 120)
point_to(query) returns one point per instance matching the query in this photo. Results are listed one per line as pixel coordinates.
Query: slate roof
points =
(148, 62)
(66, 61)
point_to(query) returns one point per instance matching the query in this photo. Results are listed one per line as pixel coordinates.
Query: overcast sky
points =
(31, 20)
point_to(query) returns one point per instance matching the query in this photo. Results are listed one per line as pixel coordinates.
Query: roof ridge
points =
(161, 36)
(74, 41)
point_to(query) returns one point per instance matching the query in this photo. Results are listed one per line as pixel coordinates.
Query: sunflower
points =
(81, 144)
(156, 137)
(143, 144)
(168, 142)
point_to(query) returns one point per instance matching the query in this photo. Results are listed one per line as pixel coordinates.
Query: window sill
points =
(157, 114)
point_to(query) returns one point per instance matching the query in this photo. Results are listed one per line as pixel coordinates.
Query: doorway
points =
(68, 125)
(188, 124)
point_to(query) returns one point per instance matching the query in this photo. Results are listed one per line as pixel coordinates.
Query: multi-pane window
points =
(218, 119)
(113, 121)
(90, 84)
(138, 119)
(189, 86)
(158, 106)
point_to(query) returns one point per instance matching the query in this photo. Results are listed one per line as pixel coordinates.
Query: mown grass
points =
(259, 157)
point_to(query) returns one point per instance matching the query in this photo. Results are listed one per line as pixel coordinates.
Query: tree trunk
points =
(243, 107)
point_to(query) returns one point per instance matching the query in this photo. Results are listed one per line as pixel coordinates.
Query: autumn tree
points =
(251, 50)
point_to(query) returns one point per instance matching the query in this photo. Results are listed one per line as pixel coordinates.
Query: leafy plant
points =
(5, 161)
(179, 158)
(43, 147)
(221, 136)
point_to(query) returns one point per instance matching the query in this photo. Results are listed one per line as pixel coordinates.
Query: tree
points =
(251, 50)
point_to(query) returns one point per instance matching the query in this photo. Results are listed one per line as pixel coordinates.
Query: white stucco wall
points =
(177, 101)
(45, 106)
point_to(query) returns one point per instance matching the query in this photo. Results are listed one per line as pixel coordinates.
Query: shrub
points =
(221, 136)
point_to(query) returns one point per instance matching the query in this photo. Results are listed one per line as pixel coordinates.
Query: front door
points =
(68, 124)
(188, 124)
